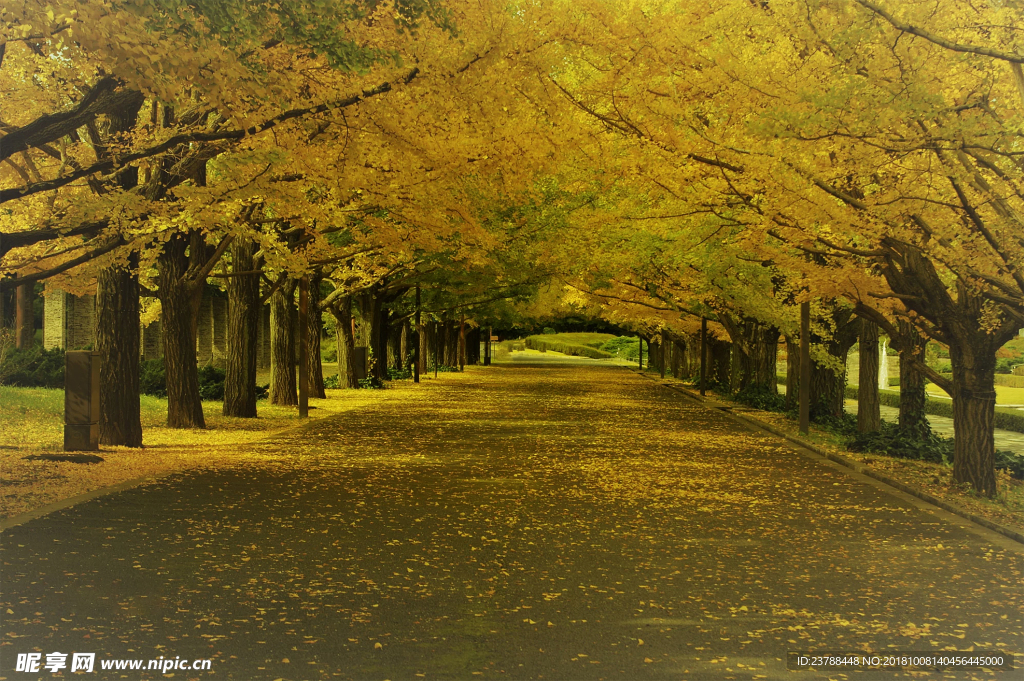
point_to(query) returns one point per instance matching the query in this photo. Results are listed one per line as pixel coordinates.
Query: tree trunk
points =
(314, 332)
(462, 343)
(378, 339)
(759, 363)
(662, 353)
(374, 333)
(421, 356)
(282, 346)
(719, 362)
(828, 387)
(756, 348)
(827, 391)
(449, 345)
(403, 346)
(243, 331)
(395, 347)
(179, 301)
(974, 401)
(24, 320)
(736, 377)
(792, 374)
(118, 332)
(974, 335)
(912, 345)
(346, 343)
(869, 418)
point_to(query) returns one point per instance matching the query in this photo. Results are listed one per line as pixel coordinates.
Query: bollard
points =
(81, 401)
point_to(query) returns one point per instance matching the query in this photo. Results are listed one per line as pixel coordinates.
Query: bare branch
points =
(1011, 57)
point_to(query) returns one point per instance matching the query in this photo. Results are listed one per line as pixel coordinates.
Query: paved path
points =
(514, 522)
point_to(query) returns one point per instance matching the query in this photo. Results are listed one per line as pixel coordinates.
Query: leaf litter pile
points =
(554, 523)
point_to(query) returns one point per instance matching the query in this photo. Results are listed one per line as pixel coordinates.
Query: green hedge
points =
(1010, 381)
(1005, 419)
(1005, 380)
(544, 344)
(33, 367)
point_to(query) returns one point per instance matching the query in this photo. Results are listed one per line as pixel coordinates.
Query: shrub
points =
(572, 349)
(548, 330)
(153, 381)
(371, 382)
(1004, 365)
(153, 378)
(891, 441)
(329, 353)
(622, 347)
(761, 397)
(211, 383)
(33, 367)
(845, 425)
(399, 374)
(1010, 381)
(1011, 462)
(331, 381)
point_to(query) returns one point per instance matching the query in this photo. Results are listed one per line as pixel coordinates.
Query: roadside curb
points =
(843, 461)
(22, 518)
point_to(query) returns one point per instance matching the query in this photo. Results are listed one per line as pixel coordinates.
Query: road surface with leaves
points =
(570, 522)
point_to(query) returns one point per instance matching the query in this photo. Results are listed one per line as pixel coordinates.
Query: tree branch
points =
(110, 164)
(7, 284)
(939, 40)
(104, 97)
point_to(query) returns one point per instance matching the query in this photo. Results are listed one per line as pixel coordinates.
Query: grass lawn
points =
(594, 340)
(31, 424)
(1004, 395)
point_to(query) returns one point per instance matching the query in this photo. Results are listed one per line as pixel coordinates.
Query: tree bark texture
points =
(395, 347)
(828, 386)
(180, 295)
(373, 323)
(462, 343)
(964, 322)
(283, 388)
(244, 311)
(756, 348)
(314, 332)
(911, 345)
(792, 373)
(118, 333)
(24, 320)
(869, 418)
(719, 362)
(974, 402)
(342, 310)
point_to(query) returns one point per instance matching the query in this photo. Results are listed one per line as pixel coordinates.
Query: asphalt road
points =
(523, 522)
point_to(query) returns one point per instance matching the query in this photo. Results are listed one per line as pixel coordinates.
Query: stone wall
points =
(69, 321)
(211, 332)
